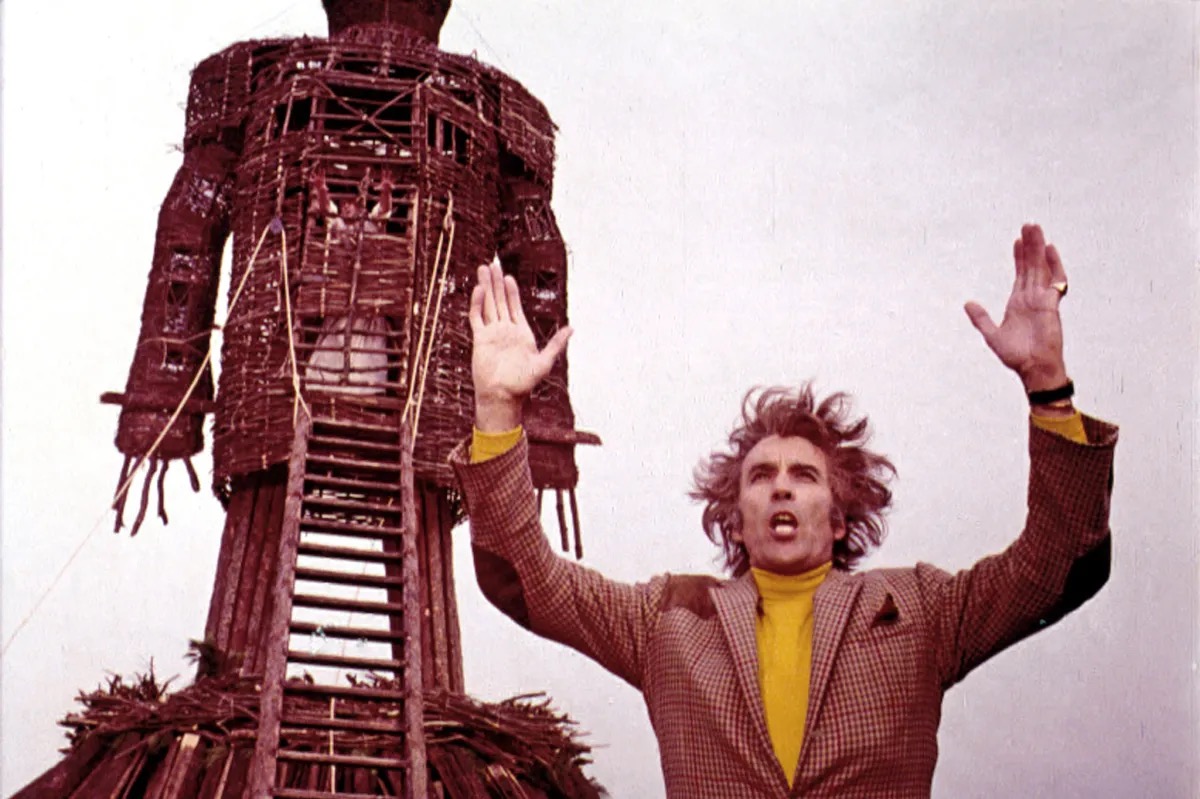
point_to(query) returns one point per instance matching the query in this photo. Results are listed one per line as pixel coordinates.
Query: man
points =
(797, 677)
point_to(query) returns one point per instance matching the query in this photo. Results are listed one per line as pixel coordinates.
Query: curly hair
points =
(858, 477)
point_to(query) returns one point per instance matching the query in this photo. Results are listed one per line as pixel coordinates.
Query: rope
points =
(433, 328)
(437, 260)
(298, 402)
(121, 491)
(470, 21)
(441, 266)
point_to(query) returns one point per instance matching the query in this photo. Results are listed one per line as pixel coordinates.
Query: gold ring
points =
(1060, 287)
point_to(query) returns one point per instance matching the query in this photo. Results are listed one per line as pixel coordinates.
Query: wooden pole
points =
(418, 777)
(266, 747)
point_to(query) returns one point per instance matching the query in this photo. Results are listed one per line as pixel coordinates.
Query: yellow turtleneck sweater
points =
(784, 631)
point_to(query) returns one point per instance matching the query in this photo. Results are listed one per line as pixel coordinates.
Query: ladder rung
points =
(314, 659)
(346, 482)
(346, 578)
(352, 443)
(360, 404)
(349, 633)
(353, 605)
(316, 500)
(316, 722)
(350, 692)
(344, 760)
(348, 424)
(348, 553)
(315, 524)
(352, 463)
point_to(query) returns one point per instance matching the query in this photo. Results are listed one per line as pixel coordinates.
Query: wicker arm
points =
(532, 250)
(177, 313)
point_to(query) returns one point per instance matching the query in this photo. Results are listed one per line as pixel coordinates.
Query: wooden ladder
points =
(350, 515)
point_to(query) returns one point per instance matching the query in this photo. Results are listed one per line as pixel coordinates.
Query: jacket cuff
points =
(1070, 486)
(498, 495)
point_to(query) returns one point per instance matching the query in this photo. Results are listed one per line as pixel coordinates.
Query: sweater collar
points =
(772, 586)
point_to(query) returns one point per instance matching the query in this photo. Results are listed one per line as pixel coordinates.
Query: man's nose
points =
(782, 490)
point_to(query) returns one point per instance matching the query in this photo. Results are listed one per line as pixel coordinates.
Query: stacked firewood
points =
(520, 748)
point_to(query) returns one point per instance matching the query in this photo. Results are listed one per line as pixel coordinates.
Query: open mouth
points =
(783, 523)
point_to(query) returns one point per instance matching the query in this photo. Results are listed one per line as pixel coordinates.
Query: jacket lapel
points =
(831, 610)
(737, 602)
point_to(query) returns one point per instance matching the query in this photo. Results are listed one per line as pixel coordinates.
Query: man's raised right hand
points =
(505, 362)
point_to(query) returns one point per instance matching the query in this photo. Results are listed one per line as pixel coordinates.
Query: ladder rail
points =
(266, 747)
(418, 777)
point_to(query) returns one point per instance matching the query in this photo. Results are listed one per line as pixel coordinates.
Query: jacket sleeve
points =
(520, 574)
(1060, 561)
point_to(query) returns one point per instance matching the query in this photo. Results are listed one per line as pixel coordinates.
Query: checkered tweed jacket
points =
(887, 643)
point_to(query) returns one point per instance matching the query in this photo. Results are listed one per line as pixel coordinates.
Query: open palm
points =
(506, 364)
(1029, 339)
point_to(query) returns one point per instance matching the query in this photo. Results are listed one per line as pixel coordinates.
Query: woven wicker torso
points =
(351, 151)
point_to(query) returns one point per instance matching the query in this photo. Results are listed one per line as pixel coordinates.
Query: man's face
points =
(786, 503)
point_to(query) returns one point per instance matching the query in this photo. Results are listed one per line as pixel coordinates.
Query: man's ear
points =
(837, 520)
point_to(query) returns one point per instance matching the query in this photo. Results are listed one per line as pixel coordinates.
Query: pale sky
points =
(749, 197)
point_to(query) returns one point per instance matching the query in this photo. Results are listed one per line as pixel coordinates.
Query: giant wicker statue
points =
(364, 177)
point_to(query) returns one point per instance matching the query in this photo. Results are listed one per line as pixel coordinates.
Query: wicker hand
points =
(506, 364)
(1029, 339)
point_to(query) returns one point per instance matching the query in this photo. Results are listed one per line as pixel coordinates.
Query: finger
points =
(1032, 235)
(1020, 273)
(981, 320)
(553, 349)
(475, 314)
(1054, 260)
(516, 313)
(1034, 251)
(498, 291)
(488, 298)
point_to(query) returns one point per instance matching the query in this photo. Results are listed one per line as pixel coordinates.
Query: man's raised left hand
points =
(1029, 339)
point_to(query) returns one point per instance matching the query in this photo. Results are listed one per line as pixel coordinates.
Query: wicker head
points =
(424, 16)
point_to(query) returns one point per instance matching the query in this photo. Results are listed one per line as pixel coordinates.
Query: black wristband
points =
(1052, 395)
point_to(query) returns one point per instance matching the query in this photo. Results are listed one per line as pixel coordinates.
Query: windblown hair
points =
(858, 477)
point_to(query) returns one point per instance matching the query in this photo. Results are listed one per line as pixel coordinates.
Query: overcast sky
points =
(749, 197)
